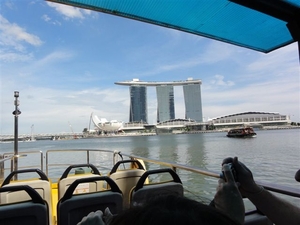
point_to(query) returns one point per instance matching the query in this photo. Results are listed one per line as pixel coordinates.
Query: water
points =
(273, 156)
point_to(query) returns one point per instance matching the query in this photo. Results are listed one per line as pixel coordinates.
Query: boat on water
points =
(63, 191)
(244, 132)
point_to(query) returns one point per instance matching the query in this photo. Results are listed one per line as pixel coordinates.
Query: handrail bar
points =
(281, 189)
(11, 157)
(294, 192)
(176, 165)
(24, 154)
(71, 150)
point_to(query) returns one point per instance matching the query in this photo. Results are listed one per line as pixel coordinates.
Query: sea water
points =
(273, 155)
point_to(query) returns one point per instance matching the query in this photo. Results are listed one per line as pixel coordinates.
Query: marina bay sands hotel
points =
(165, 99)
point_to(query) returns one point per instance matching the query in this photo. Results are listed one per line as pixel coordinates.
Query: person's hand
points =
(93, 218)
(244, 176)
(228, 198)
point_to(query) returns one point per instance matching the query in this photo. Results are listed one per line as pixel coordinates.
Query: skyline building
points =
(138, 104)
(192, 101)
(165, 103)
(165, 99)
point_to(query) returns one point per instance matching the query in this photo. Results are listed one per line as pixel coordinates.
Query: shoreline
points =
(82, 136)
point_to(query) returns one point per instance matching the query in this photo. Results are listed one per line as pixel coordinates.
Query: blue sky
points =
(64, 62)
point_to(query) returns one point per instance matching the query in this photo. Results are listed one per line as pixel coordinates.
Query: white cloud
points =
(69, 12)
(219, 80)
(46, 18)
(13, 35)
(14, 57)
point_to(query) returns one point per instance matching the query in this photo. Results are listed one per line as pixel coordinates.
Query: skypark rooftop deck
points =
(157, 83)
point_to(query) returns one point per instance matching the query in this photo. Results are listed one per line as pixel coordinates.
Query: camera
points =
(222, 175)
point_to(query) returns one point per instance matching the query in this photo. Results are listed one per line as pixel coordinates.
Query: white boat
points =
(107, 126)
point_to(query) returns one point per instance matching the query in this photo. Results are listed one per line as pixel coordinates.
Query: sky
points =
(64, 62)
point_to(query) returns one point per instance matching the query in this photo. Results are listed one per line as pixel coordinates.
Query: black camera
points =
(222, 175)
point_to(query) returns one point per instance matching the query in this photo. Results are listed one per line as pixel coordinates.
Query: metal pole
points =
(16, 114)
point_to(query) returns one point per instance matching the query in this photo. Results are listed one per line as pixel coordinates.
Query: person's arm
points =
(276, 209)
(228, 198)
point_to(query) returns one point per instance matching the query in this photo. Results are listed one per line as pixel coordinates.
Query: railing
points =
(294, 192)
(9, 158)
(87, 157)
(115, 156)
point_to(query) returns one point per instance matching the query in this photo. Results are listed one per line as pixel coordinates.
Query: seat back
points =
(42, 186)
(142, 192)
(65, 181)
(126, 179)
(72, 208)
(35, 211)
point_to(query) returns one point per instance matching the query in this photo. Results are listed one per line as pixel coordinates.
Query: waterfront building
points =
(255, 119)
(138, 104)
(165, 103)
(192, 100)
(165, 99)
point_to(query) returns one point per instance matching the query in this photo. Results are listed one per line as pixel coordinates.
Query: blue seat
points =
(71, 208)
(31, 212)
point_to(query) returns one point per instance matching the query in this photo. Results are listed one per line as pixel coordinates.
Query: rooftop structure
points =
(259, 25)
(135, 82)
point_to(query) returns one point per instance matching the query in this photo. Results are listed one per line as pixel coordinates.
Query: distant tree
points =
(85, 130)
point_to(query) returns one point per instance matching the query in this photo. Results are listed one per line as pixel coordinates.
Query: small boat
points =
(244, 132)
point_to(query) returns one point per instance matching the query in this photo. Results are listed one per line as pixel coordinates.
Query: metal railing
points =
(115, 156)
(8, 158)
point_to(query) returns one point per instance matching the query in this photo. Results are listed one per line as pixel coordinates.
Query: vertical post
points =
(1, 168)
(16, 113)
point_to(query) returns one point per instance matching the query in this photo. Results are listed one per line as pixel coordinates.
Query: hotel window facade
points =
(138, 104)
(193, 104)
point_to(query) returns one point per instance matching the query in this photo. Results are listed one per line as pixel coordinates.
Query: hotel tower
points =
(165, 99)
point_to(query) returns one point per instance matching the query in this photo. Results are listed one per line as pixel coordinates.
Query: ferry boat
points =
(243, 132)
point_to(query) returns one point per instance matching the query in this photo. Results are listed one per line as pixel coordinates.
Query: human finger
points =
(99, 213)
(242, 169)
(227, 160)
(228, 174)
